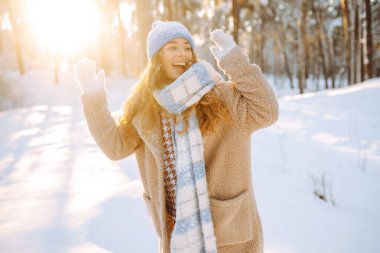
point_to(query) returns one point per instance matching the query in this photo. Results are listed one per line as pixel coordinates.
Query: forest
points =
(332, 43)
(315, 172)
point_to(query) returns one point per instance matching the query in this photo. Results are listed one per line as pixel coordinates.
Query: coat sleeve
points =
(251, 100)
(116, 141)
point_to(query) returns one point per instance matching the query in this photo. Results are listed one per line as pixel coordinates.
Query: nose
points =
(181, 52)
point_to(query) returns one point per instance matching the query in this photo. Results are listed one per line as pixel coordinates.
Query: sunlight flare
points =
(63, 26)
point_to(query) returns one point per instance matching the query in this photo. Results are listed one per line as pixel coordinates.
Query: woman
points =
(190, 132)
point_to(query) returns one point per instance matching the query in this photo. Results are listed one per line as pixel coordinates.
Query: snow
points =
(333, 133)
(59, 193)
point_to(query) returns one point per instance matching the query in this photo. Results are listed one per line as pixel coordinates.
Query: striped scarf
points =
(193, 231)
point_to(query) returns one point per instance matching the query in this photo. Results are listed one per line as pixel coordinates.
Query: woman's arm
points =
(249, 96)
(116, 141)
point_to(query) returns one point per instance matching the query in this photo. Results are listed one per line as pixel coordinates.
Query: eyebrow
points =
(175, 42)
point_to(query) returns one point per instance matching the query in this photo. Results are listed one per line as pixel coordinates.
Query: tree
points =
(168, 10)
(106, 17)
(319, 22)
(302, 46)
(330, 50)
(121, 39)
(144, 21)
(237, 6)
(356, 48)
(347, 37)
(13, 16)
(369, 40)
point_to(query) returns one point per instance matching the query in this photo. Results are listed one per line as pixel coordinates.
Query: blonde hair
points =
(210, 110)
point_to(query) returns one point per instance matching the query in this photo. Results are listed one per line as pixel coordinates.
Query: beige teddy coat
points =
(235, 217)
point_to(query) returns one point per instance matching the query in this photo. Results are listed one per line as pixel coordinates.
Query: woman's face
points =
(176, 57)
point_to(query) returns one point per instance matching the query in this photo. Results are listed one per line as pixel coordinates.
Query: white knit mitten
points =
(86, 77)
(223, 44)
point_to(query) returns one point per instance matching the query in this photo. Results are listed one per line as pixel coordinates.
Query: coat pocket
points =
(153, 214)
(232, 219)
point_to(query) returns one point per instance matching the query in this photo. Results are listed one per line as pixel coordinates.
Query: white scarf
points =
(193, 231)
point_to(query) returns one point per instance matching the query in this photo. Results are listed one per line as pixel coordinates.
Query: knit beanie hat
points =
(164, 31)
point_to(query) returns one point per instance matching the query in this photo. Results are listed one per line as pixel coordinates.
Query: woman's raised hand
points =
(223, 44)
(86, 77)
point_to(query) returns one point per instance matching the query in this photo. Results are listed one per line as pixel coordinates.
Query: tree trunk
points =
(180, 13)
(123, 54)
(236, 18)
(302, 44)
(103, 35)
(262, 39)
(369, 40)
(300, 69)
(276, 54)
(320, 44)
(144, 21)
(285, 57)
(352, 41)
(305, 39)
(168, 10)
(347, 41)
(317, 73)
(17, 37)
(330, 50)
(356, 48)
(362, 65)
(287, 69)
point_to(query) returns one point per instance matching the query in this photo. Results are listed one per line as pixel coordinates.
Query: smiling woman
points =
(63, 26)
(190, 132)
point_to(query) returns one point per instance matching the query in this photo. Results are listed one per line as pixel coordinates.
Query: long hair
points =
(210, 109)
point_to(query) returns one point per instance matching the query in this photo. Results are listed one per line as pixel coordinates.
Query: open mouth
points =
(180, 66)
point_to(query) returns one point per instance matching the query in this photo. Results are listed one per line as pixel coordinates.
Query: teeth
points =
(179, 64)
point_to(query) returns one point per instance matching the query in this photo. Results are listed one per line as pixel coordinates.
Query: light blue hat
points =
(163, 32)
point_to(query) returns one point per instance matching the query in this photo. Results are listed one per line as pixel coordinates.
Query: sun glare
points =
(63, 26)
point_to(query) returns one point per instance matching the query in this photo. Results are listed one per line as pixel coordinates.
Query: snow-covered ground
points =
(59, 193)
